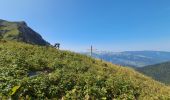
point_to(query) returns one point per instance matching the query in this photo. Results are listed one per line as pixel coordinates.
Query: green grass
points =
(12, 32)
(66, 75)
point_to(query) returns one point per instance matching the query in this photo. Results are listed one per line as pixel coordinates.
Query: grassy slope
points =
(160, 72)
(11, 29)
(67, 75)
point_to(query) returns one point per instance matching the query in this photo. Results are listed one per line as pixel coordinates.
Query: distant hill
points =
(134, 58)
(33, 72)
(160, 72)
(19, 31)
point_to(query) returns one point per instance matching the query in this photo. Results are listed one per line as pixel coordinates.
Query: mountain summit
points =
(19, 31)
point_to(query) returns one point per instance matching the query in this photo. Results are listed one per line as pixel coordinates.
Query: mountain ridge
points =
(20, 31)
(159, 72)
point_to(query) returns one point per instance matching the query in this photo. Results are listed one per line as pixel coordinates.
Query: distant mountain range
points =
(133, 58)
(19, 31)
(159, 72)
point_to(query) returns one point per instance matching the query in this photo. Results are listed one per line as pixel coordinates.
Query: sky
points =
(108, 25)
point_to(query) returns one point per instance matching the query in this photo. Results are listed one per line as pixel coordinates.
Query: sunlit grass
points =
(63, 74)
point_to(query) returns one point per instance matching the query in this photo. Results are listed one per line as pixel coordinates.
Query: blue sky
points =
(112, 25)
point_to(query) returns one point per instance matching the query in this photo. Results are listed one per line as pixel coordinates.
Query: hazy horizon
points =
(133, 25)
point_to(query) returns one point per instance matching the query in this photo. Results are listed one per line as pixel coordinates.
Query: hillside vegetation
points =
(160, 72)
(19, 31)
(37, 72)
